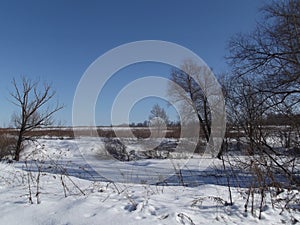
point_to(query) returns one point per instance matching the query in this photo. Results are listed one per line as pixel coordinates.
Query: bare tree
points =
(158, 121)
(193, 95)
(269, 59)
(246, 109)
(158, 112)
(272, 53)
(35, 112)
(265, 81)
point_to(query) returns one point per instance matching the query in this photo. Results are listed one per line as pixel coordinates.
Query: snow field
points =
(92, 199)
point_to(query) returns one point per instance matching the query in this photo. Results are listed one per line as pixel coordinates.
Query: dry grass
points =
(173, 132)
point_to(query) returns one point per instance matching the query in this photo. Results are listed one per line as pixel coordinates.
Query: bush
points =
(7, 144)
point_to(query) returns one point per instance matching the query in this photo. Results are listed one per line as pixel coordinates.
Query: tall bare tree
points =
(192, 95)
(35, 112)
(266, 81)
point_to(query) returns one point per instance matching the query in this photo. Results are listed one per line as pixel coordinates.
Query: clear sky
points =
(56, 41)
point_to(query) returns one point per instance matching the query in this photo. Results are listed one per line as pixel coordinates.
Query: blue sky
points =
(57, 40)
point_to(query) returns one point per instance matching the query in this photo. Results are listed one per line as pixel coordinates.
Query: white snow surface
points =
(71, 192)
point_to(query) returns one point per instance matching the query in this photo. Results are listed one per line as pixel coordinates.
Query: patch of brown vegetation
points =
(64, 132)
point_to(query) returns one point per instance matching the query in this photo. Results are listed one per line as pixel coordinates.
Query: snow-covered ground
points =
(77, 182)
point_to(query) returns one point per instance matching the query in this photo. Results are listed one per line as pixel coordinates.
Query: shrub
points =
(7, 144)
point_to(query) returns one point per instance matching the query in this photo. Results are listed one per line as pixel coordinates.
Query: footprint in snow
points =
(184, 219)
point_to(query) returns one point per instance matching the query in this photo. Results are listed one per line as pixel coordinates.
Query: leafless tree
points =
(272, 53)
(158, 121)
(265, 81)
(193, 95)
(159, 112)
(269, 59)
(35, 112)
(199, 98)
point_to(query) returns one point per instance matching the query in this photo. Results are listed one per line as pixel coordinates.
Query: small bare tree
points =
(158, 119)
(159, 112)
(33, 101)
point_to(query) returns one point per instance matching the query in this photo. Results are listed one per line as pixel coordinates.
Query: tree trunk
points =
(19, 146)
(204, 128)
